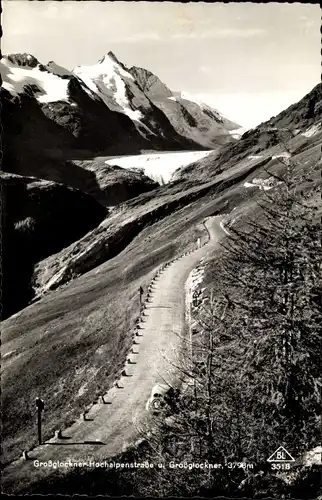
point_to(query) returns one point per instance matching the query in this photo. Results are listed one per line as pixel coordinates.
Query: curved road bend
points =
(114, 425)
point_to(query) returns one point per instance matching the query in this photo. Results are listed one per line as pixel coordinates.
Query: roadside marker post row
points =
(101, 399)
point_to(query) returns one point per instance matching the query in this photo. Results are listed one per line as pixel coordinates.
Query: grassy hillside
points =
(69, 347)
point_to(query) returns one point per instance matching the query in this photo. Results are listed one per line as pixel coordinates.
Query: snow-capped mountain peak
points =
(106, 67)
(110, 56)
(22, 71)
(108, 79)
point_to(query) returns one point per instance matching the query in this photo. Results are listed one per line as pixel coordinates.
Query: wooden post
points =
(39, 425)
(40, 406)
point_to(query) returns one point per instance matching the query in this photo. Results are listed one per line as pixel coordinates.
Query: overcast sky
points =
(250, 61)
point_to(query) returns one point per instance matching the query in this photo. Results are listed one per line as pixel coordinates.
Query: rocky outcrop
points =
(25, 60)
(303, 114)
(114, 184)
(58, 70)
(150, 84)
(39, 218)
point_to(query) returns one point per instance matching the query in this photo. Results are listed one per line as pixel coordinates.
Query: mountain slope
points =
(38, 218)
(216, 173)
(297, 128)
(82, 326)
(198, 121)
(49, 119)
(117, 87)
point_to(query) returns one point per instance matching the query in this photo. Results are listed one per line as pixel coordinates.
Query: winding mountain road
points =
(112, 424)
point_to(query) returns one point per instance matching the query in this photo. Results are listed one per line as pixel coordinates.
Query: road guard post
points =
(40, 405)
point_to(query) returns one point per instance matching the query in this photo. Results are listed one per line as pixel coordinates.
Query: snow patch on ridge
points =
(189, 97)
(222, 225)
(238, 132)
(7, 354)
(313, 130)
(284, 156)
(52, 88)
(263, 184)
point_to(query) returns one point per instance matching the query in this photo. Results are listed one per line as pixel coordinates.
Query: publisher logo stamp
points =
(280, 459)
(281, 455)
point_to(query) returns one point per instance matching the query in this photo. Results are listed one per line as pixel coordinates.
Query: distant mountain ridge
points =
(200, 122)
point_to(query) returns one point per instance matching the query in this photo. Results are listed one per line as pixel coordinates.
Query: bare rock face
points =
(198, 121)
(58, 70)
(23, 60)
(39, 218)
(303, 113)
(150, 83)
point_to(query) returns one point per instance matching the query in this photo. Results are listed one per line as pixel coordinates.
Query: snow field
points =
(16, 78)
(158, 167)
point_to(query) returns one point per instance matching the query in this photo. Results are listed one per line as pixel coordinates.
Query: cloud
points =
(136, 38)
(240, 33)
(205, 69)
(222, 33)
